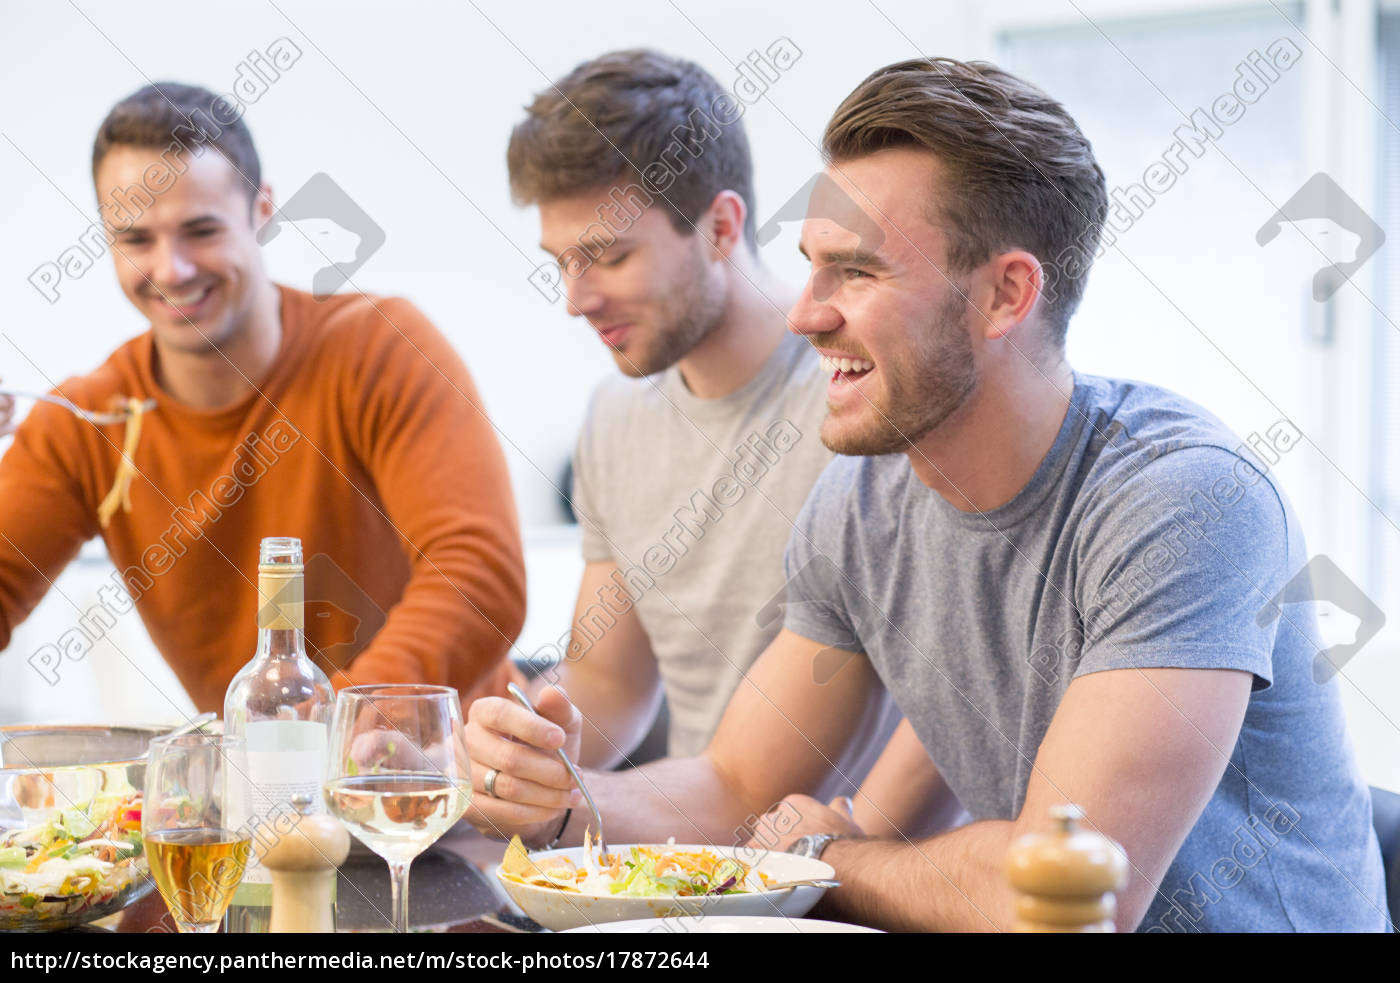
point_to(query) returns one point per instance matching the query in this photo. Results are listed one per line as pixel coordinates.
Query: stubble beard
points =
(688, 313)
(919, 393)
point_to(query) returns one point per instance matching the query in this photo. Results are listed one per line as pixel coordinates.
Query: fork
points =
(524, 701)
(91, 416)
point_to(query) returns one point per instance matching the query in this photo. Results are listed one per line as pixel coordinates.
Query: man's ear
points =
(1013, 284)
(723, 224)
(263, 207)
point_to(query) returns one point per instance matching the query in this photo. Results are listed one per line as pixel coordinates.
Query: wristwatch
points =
(812, 844)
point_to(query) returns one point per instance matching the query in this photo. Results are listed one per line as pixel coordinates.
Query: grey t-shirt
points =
(1148, 536)
(694, 500)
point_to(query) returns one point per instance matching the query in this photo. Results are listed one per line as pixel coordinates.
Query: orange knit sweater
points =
(367, 440)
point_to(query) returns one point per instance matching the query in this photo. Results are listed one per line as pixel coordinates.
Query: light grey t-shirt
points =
(1148, 536)
(694, 500)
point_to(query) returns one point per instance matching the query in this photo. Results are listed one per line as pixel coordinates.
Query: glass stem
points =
(398, 878)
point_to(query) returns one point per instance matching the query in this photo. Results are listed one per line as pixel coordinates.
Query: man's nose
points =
(582, 299)
(812, 316)
(172, 266)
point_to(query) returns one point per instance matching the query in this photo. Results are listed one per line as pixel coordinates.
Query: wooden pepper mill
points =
(303, 862)
(1065, 879)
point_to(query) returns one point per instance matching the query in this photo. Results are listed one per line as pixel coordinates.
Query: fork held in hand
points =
(524, 701)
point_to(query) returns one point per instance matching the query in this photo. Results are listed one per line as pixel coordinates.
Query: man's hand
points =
(814, 818)
(533, 788)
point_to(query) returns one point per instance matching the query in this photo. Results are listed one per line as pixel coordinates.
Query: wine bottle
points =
(281, 703)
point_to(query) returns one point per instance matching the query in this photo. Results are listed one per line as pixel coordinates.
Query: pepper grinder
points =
(1065, 880)
(303, 862)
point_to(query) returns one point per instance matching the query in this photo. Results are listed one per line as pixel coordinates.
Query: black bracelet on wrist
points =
(562, 826)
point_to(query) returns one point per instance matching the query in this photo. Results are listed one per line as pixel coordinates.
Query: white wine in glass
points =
(398, 816)
(194, 825)
(197, 871)
(399, 776)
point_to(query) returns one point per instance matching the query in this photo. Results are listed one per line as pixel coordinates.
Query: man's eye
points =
(851, 273)
(205, 232)
(616, 260)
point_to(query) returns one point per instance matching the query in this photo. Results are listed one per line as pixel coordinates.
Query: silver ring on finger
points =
(489, 786)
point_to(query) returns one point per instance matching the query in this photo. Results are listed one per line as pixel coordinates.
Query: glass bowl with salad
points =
(70, 824)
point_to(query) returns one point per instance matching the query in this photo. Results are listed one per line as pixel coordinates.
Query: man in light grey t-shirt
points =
(692, 502)
(692, 467)
(1075, 588)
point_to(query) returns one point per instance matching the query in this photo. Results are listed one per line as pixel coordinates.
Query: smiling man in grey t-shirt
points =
(1066, 582)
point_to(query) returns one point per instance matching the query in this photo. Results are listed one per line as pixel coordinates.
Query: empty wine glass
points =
(194, 822)
(399, 776)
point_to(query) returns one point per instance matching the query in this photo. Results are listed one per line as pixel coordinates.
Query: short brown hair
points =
(1020, 173)
(180, 118)
(618, 117)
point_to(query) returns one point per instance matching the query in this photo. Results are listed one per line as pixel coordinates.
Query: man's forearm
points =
(454, 622)
(953, 882)
(687, 798)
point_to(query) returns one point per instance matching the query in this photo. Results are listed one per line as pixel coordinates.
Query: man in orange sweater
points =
(348, 422)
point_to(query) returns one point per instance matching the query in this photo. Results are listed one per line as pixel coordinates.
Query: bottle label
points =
(286, 758)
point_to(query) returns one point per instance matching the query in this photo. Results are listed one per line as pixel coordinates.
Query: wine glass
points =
(399, 775)
(195, 824)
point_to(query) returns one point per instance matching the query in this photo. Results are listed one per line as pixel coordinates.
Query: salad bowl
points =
(70, 824)
(644, 896)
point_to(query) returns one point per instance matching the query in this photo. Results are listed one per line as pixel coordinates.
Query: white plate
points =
(560, 910)
(724, 925)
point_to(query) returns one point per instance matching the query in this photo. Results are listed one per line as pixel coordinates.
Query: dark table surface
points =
(448, 892)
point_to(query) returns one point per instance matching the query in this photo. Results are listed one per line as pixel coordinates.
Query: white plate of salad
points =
(578, 887)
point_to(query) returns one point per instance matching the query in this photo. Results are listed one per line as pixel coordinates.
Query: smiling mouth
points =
(849, 369)
(615, 334)
(183, 300)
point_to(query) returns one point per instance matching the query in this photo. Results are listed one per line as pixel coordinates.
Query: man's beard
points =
(920, 391)
(687, 314)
